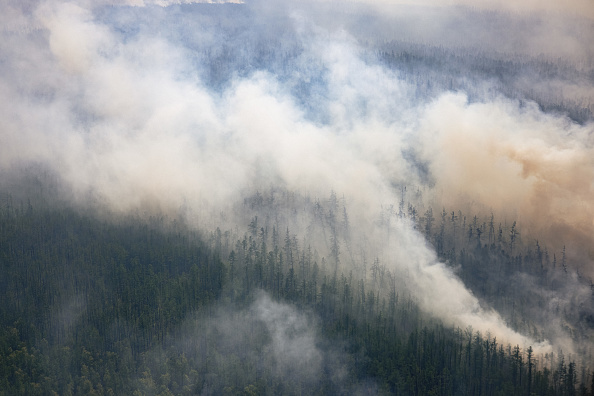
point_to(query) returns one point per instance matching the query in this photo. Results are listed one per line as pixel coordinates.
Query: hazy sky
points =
(576, 7)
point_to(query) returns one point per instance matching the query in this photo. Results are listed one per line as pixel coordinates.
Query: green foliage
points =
(93, 296)
(98, 307)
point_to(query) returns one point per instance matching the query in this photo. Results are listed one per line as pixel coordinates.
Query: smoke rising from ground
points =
(128, 119)
(276, 343)
(440, 291)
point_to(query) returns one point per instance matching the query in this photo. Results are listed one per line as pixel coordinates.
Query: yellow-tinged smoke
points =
(519, 163)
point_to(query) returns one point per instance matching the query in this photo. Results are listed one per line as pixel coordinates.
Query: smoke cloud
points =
(134, 119)
(515, 161)
(274, 343)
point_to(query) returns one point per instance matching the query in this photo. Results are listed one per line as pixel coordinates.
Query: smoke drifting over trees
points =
(455, 143)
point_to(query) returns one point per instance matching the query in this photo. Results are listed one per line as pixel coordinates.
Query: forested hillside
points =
(147, 306)
(302, 198)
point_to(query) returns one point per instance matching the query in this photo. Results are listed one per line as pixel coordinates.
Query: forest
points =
(147, 306)
(321, 198)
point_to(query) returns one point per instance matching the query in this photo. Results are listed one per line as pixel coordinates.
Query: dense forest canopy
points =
(320, 197)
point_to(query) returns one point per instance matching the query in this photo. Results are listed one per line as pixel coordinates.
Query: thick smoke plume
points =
(518, 162)
(122, 104)
(441, 293)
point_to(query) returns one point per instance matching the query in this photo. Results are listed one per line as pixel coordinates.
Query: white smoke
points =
(128, 121)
